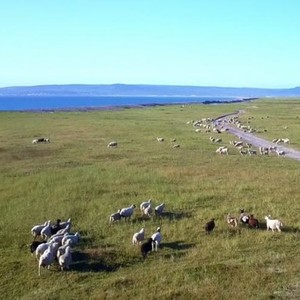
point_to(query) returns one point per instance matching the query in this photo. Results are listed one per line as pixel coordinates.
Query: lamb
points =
(127, 211)
(156, 238)
(36, 230)
(209, 226)
(252, 222)
(144, 204)
(74, 239)
(138, 237)
(115, 217)
(232, 220)
(65, 259)
(159, 209)
(146, 247)
(47, 258)
(244, 218)
(273, 224)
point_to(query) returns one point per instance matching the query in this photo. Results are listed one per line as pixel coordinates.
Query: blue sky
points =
(254, 43)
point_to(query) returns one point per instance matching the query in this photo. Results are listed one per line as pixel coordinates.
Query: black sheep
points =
(34, 245)
(209, 226)
(252, 222)
(146, 247)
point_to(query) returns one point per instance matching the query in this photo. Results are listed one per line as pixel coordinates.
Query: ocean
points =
(48, 103)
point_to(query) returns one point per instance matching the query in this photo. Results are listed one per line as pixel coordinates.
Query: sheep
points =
(176, 146)
(252, 222)
(232, 220)
(63, 225)
(127, 212)
(159, 209)
(146, 247)
(144, 204)
(160, 139)
(46, 232)
(47, 258)
(57, 238)
(56, 227)
(148, 211)
(138, 237)
(209, 226)
(156, 239)
(62, 249)
(34, 245)
(273, 224)
(40, 250)
(65, 259)
(222, 150)
(244, 218)
(112, 144)
(115, 217)
(286, 141)
(74, 239)
(64, 230)
(36, 230)
(280, 153)
(41, 140)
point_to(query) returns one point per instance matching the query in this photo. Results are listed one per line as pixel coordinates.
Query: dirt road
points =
(254, 140)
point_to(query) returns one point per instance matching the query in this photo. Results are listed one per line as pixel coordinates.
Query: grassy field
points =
(77, 176)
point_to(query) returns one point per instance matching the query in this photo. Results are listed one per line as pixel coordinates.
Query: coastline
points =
(129, 106)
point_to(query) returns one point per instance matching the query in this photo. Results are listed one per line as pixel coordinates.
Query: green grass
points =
(77, 176)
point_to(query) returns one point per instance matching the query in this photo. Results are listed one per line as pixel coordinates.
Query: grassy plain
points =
(77, 176)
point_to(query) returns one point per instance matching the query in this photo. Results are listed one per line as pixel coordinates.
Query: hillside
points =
(145, 90)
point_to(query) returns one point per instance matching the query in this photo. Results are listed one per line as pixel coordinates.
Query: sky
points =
(228, 43)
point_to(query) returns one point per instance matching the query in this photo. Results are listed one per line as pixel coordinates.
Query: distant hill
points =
(145, 90)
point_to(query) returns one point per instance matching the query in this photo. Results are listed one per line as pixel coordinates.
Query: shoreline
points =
(121, 107)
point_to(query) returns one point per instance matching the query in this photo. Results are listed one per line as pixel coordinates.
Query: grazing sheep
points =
(232, 220)
(273, 224)
(74, 239)
(176, 146)
(47, 258)
(138, 237)
(244, 218)
(159, 209)
(41, 140)
(148, 211)
(252, 222)
(146, 247)
(144, 204)
(209, 226)
(112, 144)
(127, 212)
(160, 139)
(65, 259)
(36, 230)
(222, 150)
(115, 217)
(156, 238)
(280, 153)
(34, 245)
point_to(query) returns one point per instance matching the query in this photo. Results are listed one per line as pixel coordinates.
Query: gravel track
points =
(257, 141)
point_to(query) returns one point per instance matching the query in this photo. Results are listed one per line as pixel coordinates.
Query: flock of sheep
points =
(53, 242)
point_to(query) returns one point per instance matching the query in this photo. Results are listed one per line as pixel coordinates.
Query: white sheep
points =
(157, 238)
(47, 258)
(40, 250)
(112, 144)
(74, 239)
(46, 232)
(64, 230)
(36, 230)
(138, 237)
(127, 211)
(159, 209)
(148, 211)
(62, 249)
(144, 204)
(273, 224)
(65, 259)
(115, 217)
(65, 224)
(160, 139)
(57, 238)
(280, 153)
